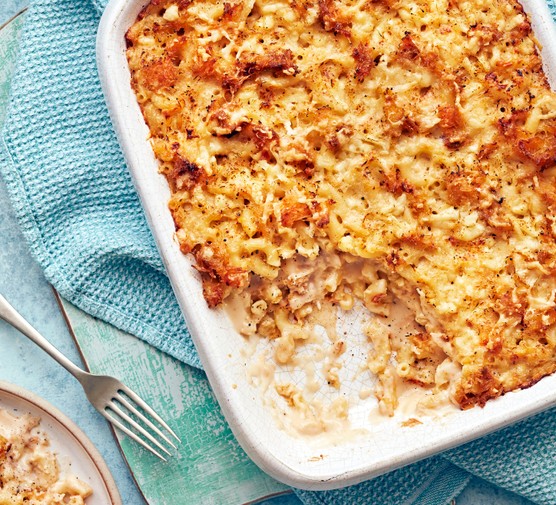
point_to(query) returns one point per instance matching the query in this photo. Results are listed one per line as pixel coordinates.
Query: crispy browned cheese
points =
(417, 138)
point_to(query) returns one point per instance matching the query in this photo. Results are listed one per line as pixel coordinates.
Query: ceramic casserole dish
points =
(304, 462)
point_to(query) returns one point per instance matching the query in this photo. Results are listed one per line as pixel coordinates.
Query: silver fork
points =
(107, 394)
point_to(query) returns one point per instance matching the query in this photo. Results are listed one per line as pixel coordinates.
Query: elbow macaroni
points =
(324, 151)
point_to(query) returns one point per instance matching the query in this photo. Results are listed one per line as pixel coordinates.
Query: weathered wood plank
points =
(9, 44)
(210, 467)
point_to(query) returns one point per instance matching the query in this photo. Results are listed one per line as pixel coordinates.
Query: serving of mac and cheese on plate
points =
(45, 459)
(29, 470)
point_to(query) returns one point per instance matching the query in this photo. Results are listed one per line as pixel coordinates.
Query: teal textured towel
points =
(79, 211)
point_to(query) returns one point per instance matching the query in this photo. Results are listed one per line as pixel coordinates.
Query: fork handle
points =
(11, 316)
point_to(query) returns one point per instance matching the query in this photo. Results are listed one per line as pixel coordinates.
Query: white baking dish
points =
(297, 461)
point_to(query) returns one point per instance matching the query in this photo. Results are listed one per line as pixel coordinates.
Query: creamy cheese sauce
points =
(314, 393)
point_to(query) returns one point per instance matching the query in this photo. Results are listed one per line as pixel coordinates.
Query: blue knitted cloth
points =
(81, 216)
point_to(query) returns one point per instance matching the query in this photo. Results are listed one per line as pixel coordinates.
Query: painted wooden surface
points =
(210, 467)
(9, 42)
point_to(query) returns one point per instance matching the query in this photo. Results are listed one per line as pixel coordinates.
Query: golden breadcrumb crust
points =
(412, 140)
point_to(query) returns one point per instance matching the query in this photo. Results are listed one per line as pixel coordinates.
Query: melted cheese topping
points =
(29, 471)
(327, 150)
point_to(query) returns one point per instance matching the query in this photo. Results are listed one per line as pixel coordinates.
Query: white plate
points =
(293, 460)
(66, 440)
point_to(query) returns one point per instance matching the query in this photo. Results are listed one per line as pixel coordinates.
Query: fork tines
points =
(133, 422)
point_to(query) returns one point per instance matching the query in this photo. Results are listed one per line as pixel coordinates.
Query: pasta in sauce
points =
(322, 152)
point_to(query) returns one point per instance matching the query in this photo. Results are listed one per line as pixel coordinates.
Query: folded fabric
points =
(79, 212)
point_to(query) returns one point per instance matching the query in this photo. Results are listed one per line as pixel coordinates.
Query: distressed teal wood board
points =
(210, 467)
(9, 43)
